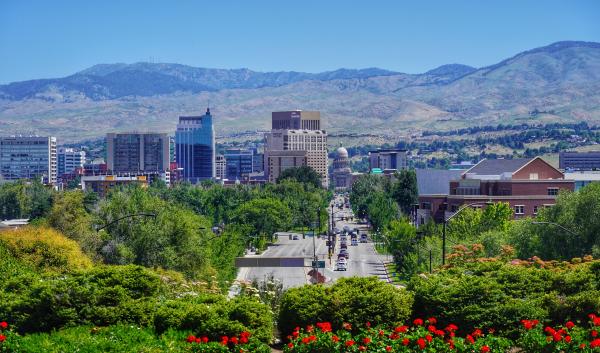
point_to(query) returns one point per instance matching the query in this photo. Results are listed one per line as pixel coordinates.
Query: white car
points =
(341, 266)
(354, 242)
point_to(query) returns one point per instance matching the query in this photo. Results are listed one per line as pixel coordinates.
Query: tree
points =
(263, 217)
(405, 191)
(303, 174)
(382, 210)
(362, 190)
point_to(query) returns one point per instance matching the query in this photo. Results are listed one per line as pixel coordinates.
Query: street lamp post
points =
(125, 217)
(446, 220)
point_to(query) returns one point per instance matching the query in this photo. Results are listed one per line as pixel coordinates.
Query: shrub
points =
(349, 300)
(44, 249)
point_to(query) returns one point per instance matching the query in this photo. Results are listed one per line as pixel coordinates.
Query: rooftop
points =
(498, 166)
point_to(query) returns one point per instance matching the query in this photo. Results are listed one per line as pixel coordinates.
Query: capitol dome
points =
(342, 153)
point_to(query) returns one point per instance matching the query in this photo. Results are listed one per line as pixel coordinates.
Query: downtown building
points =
(137, 152)
(69, 161)
(387, 161)
(28, 157)
(296, 139)
(195, 147)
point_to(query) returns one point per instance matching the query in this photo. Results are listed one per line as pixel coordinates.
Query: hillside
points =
(555, 83)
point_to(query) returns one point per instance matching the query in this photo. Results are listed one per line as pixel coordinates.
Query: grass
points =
(391, 268)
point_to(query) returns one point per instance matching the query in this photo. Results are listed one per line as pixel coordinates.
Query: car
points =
(341, 266)
(354, 242)
(344, 253)
(343, 238)
(343, 245)
(295, 237)
(363, 238)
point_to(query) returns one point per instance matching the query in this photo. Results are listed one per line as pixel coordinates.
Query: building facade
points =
(239, 163)
(195, 147)
(296, 120)
(69, 160)
(313, 144)
(527, 185)
(137, 152)
(579, 160)
(387, 160)
(342, 176)
(29, 157)
(279, 160)
(220, 165)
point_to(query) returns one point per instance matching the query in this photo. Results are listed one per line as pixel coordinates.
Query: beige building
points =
(280, 160)
(312, 144)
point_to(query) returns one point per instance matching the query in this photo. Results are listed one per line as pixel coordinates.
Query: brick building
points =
(526, 184)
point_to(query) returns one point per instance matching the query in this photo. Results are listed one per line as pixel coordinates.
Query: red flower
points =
(324, 326)
(405, 342)
(421, 343)
(594, 333)
(477, 333)
(595, 343)
(290, 345)
(431, 328)
(368, 324)
(428, 338)
(191, 339)
(366, 340)
(388, 348)
(305, 340)
(432, 320)
(349, 343)
(439, 333)
(2, 338)
(401, 329)
(309, 328)
(418, 322)
(234, 340)
(198, 340)
(347, 326)
(362, 348)
(470, 339)
(568, 339)
(451, 328)
(204, 339)
(335, 338)
(381, 333)
(582, 346)
(295, 334)
(485, 349)
(3, 325)
(570, 325)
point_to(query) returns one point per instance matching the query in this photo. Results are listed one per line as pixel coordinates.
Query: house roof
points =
(498, 166)
(436, 181)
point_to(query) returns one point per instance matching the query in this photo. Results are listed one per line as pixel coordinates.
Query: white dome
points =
(342, 153)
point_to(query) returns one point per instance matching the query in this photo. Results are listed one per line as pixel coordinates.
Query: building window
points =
(519, 209)
(552, 191)
(426, 206)
(535, 209)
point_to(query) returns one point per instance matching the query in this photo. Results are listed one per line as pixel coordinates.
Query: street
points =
(363, 260)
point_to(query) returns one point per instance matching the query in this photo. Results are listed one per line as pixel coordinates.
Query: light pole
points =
(557, 225)
(124, 217)
(446, 220)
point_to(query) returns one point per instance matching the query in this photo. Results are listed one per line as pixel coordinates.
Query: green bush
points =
(498, 295)
(349, 300)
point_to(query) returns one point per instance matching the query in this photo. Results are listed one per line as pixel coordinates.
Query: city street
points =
(363, 260)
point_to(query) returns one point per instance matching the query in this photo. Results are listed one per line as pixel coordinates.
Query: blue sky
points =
(43, 39)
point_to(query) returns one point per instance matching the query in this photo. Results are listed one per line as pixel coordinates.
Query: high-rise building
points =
(137, 152)
(296, 131)
(195, 147)
(279, 160)
(387, 160)
(220, 166)
(69, 160)
(28, 157)
(239, 163)
(296, 120)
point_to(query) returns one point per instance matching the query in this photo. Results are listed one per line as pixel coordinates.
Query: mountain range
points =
(556, 83)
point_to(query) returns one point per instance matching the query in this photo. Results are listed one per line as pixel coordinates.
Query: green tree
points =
(263, 217)
(405, 191)
(382, 210)
(303, 174)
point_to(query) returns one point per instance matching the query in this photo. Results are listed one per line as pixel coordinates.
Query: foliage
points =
(303, 174)
(491, 293)
(471, 222)
(404, 190)
(24, 199)
(269, 291)
(577, 233)
(44, 249)
(423, 336)
(354, 300)
(263, 217)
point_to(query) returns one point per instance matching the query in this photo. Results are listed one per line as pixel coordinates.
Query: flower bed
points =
(244, 343)
(425, 336)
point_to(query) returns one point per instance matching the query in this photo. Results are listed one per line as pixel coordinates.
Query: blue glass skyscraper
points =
(195, 147)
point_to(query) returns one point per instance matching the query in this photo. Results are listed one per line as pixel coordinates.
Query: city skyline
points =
(46, 40)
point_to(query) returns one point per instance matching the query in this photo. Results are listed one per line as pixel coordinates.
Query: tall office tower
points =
(296, 131)
(137, 152)
(69, 160)
(195, 147)
(28, 157)
(220, 166)
(296, 120)
(239, 163)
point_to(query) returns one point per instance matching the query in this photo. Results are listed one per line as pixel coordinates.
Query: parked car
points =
(354, 242)
(363, 238)
(343, 245)
(295, 237)
(344, 253)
